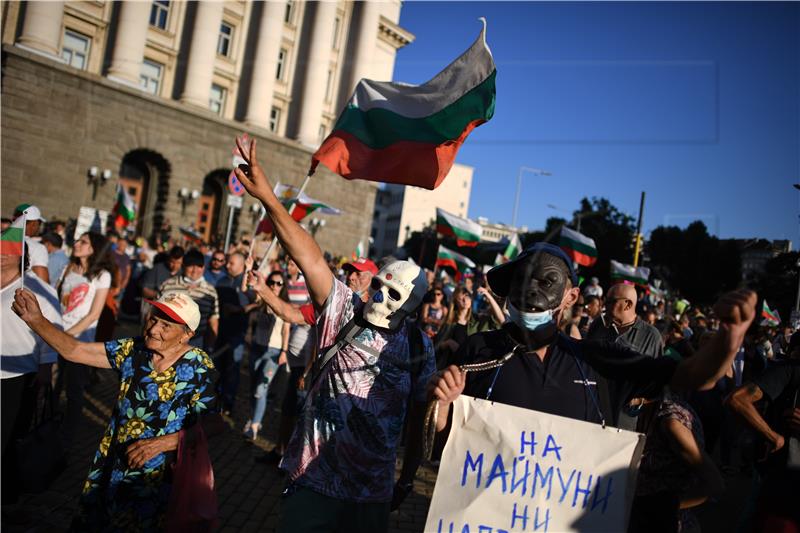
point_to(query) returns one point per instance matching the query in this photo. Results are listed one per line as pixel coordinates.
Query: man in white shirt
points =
(38, 258)
(25, 363)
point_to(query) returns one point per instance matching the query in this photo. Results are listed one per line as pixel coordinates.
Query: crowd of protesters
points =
(205, 312)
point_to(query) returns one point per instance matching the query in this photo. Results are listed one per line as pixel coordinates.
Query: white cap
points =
(31, 212)
(179, 308)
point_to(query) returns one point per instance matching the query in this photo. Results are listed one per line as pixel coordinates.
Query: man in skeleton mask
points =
(587, 380)
(341, 458)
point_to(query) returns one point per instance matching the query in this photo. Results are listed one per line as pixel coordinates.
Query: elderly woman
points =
(164, 384)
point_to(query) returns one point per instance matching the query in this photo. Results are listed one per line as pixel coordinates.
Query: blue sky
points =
(698, 104)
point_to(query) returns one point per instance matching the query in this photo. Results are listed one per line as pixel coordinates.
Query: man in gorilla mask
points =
(547, 371)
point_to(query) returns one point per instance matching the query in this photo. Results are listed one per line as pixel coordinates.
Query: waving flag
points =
(304, 206)
(410, 134)
(124, 208)
(360, 251)
(454, 260)
(770, 316)
(12, 240)
(463, 230)
(580, 248)
(637, 275)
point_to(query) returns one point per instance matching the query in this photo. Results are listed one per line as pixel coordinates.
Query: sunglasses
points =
(218, 259)
(272, 283)
(438, 293)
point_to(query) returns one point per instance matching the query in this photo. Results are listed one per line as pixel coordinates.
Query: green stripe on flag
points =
(379, 128)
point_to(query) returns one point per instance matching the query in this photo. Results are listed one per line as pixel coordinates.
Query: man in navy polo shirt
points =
(585, 380)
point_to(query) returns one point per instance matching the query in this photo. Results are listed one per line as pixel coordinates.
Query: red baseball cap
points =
(362, 264)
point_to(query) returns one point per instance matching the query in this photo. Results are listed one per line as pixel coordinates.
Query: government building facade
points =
(150, 95)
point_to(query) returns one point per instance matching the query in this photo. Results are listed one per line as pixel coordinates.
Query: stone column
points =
(319, 52)
(200, 70)
(126, 63)
(265, 64)
(41, 30)
(366, 43)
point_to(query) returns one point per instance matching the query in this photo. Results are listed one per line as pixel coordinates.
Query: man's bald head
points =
(621, 303)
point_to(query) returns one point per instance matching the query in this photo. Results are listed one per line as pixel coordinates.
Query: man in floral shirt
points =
(342, 455)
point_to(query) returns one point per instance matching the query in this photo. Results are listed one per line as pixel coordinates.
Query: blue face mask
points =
(529, 321)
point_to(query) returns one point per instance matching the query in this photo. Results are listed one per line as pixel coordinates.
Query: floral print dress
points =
(150, 404)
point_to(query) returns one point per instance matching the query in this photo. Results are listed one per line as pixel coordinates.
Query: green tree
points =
(778, 283)
(700, 266)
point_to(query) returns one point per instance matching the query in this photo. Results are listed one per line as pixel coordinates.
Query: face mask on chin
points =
(539, 328)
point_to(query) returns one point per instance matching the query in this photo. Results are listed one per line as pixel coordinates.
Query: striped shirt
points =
(202, 292)
(297, 291)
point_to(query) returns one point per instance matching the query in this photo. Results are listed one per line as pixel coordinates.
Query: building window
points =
(287, 17)
(225, 39)
(336, 24)
(281, 64)
(150, 76)
(75, 49)
(159, 12)
(329, 86)
(274, 119)
(216, 99)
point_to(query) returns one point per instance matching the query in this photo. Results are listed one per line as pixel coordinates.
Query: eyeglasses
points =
(276, 283)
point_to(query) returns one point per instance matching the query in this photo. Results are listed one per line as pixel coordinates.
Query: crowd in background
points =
(94, 281)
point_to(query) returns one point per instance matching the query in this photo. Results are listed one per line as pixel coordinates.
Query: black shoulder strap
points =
(416, 350)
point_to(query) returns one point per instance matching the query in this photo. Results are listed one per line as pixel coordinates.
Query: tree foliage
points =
(699, 266)
(778, 283)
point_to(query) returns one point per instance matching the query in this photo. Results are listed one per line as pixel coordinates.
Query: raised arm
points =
(294, 239)
(497, 313)
(87, 353)
(735, 311)
(286, 311)
(741, 402)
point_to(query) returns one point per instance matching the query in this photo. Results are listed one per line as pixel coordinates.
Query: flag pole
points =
(258, 223)
(262, 268)
(22, 257)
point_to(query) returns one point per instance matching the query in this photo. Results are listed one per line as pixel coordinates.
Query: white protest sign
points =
(90, 219)
(509, 469)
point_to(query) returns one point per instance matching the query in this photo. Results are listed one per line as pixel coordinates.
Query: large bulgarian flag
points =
(637, 275)
(770, 316)
(463, 230)
(304, 205)
(580, 248)
(410, 134)
(124, 208)
(454, 260)
(13, 238)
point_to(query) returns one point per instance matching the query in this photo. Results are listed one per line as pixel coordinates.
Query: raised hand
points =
(257, 281)
(736, 310)
(26, 306)
(251, 175)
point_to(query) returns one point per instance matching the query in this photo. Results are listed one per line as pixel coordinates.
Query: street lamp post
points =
(536, 171)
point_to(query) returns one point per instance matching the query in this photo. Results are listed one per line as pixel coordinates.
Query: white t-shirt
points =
(77, 294)
(21, 350)
(37, 253)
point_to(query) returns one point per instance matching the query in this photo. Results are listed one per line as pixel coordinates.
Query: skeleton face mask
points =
(396, 290)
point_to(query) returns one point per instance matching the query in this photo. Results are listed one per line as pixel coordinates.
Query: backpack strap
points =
(345, 337)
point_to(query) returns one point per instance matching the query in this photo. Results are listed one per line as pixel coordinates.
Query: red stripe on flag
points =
(406, 162)
(580, 258)
(10, 248)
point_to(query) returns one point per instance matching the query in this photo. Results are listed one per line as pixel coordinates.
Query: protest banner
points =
(506, 469)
